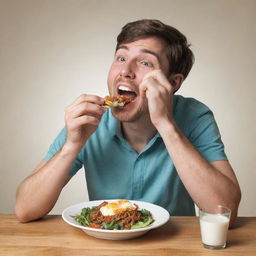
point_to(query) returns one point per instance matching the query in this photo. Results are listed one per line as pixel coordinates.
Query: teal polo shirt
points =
(114, 170)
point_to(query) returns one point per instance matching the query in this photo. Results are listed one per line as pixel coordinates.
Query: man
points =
(159, 148)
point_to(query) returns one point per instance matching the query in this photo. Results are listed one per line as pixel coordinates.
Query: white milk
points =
(214, 229)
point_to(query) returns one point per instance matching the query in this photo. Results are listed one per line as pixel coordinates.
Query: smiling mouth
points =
(127, 92)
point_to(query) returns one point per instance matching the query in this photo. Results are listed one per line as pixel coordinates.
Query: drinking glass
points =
(214, 224)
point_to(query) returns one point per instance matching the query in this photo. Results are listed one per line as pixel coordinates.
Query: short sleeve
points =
(206, 137)
(55, 148)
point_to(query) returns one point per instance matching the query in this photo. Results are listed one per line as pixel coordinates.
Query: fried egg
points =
(117, 207)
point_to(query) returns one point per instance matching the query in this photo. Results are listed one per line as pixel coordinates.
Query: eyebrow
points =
(142, 50)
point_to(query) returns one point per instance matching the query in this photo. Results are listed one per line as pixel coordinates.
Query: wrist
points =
(169, 129)
(70, 149)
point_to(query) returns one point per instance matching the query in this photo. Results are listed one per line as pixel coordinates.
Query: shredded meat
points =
(127, 218)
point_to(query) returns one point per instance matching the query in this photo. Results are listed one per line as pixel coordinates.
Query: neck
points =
(138, 134)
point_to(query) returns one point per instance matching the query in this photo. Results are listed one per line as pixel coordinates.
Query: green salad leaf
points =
(146, 220)
(84, 217)
(113, 225)
(117, 104)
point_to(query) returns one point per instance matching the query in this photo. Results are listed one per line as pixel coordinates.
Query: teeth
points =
(124, 88)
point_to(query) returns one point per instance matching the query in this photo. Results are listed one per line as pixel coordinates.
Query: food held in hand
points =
(118, 215)
(116, 101)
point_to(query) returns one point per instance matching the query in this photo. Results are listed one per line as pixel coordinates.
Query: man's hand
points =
(159, 92)
(82, 118)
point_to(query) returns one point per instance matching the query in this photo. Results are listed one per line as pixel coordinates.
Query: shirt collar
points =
(115, 127)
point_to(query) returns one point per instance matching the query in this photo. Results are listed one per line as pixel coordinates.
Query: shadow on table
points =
(164, 232)
(236, 238)
(241, 222)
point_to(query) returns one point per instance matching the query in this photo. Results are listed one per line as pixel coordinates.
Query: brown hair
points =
(180, 57)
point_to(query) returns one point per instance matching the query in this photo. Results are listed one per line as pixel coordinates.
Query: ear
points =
(176, 81)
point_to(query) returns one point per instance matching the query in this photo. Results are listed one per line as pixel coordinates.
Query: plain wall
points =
(51, 51)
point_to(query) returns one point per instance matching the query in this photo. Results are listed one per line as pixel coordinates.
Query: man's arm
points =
(38, 193)
(207, 183)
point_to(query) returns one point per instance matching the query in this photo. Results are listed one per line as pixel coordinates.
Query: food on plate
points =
(116, 101)
(118, 215)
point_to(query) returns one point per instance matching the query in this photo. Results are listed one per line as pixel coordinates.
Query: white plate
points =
(160, 215)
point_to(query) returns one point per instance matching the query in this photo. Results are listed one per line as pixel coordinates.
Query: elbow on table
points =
(234, 209)
(25, 215)
(21, 215)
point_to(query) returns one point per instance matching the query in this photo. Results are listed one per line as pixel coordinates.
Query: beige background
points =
(51, 51)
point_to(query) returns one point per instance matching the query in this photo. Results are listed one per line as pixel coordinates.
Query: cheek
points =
(111, 79)
(112, 74)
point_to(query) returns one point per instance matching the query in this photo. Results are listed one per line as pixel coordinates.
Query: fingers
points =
(159, 76)
(86, 106)
(87, 102)
(87, 98)
(155, 82)
(83, 120)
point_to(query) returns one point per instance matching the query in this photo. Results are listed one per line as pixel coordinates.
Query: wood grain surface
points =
(180, 236)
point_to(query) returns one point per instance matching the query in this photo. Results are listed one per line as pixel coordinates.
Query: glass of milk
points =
(214, 224)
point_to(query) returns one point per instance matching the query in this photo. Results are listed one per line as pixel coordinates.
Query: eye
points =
(120, 58)
(146, 63)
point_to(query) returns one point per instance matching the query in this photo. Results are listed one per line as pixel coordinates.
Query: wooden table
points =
(180, 236)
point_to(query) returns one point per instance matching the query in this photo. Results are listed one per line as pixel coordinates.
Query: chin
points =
(129, 113)
(122, 116)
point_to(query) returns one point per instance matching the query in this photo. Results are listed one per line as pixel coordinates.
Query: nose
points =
(127, 71)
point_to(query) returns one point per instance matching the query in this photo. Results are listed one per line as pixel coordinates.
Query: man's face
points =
(131, 63)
